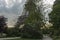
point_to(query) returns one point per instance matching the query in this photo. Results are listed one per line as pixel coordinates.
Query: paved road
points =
(46, 37)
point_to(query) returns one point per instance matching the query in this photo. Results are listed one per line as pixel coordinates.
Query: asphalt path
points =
(46, 37)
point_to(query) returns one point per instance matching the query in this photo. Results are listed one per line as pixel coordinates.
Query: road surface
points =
(46, 37)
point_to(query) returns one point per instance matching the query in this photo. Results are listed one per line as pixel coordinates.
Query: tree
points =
(34, 17)
(29, 32)
(32, 22)
(55, 17)
(20, 21)
(3, 26)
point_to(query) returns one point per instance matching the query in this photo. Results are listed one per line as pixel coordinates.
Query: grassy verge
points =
(17, 38)
(23, 39)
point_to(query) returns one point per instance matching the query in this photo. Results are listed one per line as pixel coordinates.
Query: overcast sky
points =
(11, 9)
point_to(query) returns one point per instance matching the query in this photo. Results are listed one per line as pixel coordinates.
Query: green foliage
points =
(29, 32)
(12, 32)
(55, 18)
(3, 24)
(33, 22)
(55, 15)
(34, 13)
(32, 25)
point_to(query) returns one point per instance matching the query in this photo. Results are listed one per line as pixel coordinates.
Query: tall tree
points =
(34, 17)
(3, 24)
(32, 22)
(55, 16)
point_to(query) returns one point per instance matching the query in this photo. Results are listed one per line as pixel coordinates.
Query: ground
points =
(46, 37)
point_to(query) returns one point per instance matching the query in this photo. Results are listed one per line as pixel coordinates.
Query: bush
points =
(29, 32)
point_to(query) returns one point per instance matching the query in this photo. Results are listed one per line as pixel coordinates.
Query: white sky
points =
(10, 3)
(46, 6)
(11, 9)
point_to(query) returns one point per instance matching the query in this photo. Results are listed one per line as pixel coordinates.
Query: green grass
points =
(23, 39)
(56, 38)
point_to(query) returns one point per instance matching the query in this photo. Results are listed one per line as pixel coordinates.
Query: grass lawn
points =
(23, 39)
(17, 38)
